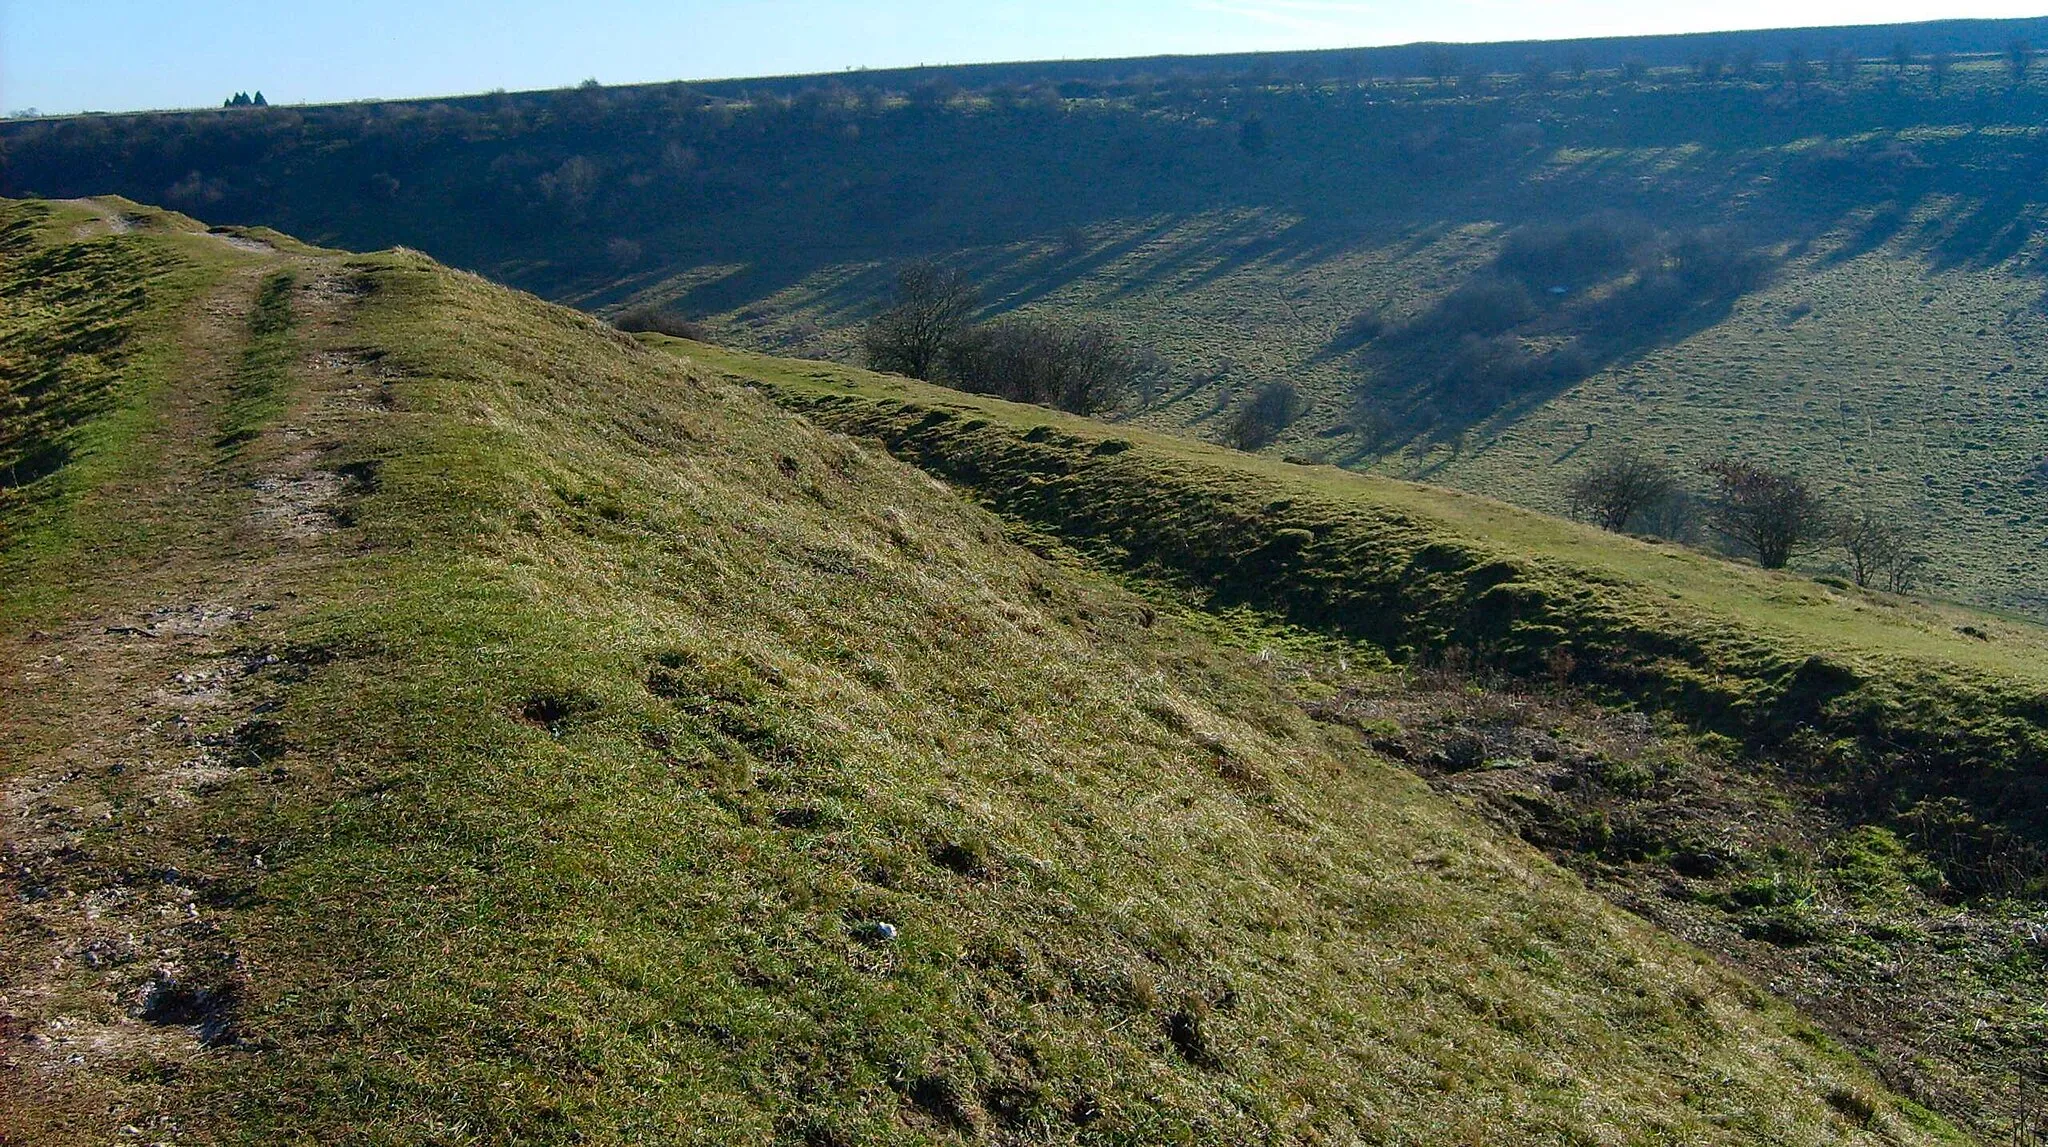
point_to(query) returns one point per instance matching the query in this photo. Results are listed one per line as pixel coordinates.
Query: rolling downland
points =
(1481, 266)
(442, 719)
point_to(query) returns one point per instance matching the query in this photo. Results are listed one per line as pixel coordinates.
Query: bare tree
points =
(1798, 66)
(1873, 540)
(1768, 514)
(1902, 58)
(1440, 64)
(931, 308)
(1251, 135)
(1272, 409)
(1621, 487)
(1939, 65)
(1902, 573)
(1879, 545)
(2019, 57)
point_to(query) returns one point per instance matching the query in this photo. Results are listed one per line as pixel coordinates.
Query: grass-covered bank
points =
(550, 779)
(85, 341)
(1921, 716)
(674, 707)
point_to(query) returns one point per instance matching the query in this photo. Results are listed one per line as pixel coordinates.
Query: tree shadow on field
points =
(1011, 274)
(1559, 304)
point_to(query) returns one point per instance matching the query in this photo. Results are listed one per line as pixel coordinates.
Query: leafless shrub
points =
(1771, 515)
(1620, 488)
(1879, 546)
(931, 309)
(1080, 367)
(1486, 305)
(656, 320)
(1586, 250)
(1939, 65)
(1271, 410)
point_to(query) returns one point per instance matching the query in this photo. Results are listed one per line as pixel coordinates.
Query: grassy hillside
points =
(1418, 570)
(443, 720)
(1853, 814)
(1329, 220)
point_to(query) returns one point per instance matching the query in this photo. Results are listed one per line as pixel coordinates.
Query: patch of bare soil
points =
(110, 221)
(360, 377)
(125, 964)
(301, 506)
(243, 242)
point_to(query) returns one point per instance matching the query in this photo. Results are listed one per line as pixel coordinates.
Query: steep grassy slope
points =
(1855, 815)
(1936, 694)
(506, 732)
(1297, 220)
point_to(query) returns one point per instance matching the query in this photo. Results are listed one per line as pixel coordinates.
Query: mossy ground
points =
(545, 781)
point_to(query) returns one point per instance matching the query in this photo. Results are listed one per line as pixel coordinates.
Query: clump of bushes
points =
(928, 332)
(1080, 367)
(1577, 253)
(1623, 487)
(1272, 409)
(1765, 514)
(657, 320)
(1486, 305)
(1533, 319)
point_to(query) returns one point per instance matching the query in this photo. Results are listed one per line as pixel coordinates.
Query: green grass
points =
(1885, 376)
(257, 396)
(622, 704)
(1899, 701)
(85, 345)
(1889, 353)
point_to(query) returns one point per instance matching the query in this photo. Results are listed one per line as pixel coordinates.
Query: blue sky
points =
(116, 55)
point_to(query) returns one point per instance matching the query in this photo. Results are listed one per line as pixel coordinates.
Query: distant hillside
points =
(1479, 265)
(440, 718)
(1510, 57)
